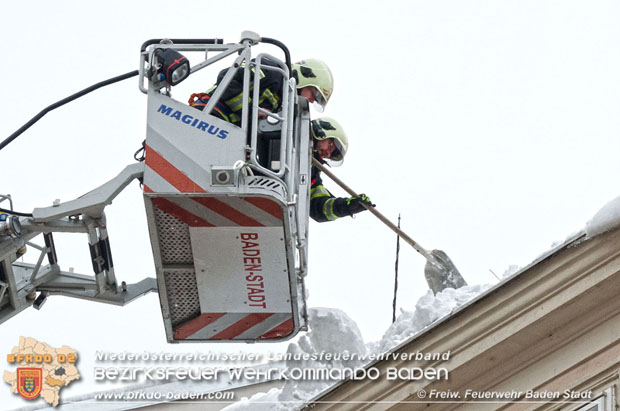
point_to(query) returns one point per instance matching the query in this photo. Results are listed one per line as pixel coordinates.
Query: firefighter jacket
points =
(230, 104)
(323, 205)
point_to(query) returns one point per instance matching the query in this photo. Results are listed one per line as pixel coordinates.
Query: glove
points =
(355, 204)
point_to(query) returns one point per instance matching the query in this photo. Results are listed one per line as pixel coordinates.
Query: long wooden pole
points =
(377, 214)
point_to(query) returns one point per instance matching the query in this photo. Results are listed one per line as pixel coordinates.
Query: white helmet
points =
(316, 74)
(326, 127)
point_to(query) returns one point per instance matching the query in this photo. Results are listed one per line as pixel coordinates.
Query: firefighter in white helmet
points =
(314, 82)
(330, 145)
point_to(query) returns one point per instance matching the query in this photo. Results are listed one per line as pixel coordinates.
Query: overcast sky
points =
(491, 126)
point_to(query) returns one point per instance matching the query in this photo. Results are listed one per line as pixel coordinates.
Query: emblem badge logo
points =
(29, 382)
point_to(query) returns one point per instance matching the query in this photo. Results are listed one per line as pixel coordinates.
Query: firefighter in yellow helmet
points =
(314, 82)
(330, 145)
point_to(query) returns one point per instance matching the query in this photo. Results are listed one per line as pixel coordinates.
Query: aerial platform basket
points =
(227, 209)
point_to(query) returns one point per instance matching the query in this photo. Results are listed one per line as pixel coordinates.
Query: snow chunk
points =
(428, 309)
(331, 331)
(511, 270)
(331, 328)
(605, 219)
(263, 401)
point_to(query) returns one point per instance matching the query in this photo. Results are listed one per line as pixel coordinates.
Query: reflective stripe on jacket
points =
(231, 101)
(323, 205)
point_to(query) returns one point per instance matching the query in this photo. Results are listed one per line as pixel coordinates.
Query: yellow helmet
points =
(316, 74)
(326, 127)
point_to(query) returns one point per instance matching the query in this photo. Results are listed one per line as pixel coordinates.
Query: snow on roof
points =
(605, 219)
(334, 331)
(331, 331)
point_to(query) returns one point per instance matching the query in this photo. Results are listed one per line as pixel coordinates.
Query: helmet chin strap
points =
(315, 155)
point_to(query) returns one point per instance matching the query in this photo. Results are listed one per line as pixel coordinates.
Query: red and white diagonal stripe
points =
(223, 211)
(202, 211)
(163, 176)
(236, 326)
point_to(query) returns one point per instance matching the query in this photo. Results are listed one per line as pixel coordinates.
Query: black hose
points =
(287, 54)
(65, 101)
(4, 210)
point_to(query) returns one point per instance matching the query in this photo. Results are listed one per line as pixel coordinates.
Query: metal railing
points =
(249, 111)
